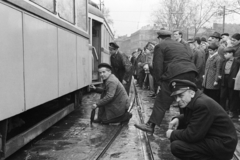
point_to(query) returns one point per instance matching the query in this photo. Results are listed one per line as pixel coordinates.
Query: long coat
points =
(205, 120)
(114, 99)
(121, 66)
(233, 73)
(170, 59)
(212, 71)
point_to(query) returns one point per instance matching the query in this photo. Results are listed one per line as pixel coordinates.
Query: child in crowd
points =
(230, 69)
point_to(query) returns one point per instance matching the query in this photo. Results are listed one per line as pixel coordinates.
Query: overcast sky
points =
(130, 15)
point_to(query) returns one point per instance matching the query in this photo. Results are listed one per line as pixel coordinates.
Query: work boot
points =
(148, 127)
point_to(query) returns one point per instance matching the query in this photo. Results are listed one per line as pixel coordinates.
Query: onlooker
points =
(171, 60)
(121, 66)
(215, 38)
(228, 75)
(141, 59)
(225, 39)
(114, 100)
(204, 131)
(198, 59)
(235, 41)
(212, 73)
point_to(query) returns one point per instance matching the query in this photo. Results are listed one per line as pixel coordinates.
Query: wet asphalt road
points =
(73, 138)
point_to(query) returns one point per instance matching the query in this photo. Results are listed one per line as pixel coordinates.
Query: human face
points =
(112, 51)
(211, 52)
(213, 40)
(184, 98)
(176, 36)
(203, 45)
(234, 41)
(228, 55)
(224, 37)
(104, 72)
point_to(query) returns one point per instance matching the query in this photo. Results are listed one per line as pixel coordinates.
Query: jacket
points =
(114, 98)
(203, 119)
(121, 66)
(170, 59)
(212, 71)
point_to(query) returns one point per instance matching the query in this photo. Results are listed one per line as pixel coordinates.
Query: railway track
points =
(146, 147)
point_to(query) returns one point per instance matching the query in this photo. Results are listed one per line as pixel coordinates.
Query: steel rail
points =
(97, 155)
(148, 154)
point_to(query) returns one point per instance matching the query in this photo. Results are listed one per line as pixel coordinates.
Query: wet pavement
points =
(73, 138)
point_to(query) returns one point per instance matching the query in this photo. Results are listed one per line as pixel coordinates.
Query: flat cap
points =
(203, 39)
(236, 36)
(105, 65)
(164, 33)
(225, 34)
(229, 50)
(113, 45)
(178, 86)
(216, 35)
(213, 46)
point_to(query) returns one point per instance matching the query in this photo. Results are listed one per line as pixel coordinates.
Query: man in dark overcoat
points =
(114, 100)
(121, 66)
(170, 60)
(204, 130)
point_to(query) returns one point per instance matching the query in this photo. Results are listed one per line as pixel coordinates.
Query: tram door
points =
(96, 49)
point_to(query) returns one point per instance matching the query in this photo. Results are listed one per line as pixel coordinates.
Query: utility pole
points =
(223, 18)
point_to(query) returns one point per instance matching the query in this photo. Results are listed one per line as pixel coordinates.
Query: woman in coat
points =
(211, 83)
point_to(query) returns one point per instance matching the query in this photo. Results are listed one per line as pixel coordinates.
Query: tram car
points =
(49, 52)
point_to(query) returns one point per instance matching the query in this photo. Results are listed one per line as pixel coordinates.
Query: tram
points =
(49, 51)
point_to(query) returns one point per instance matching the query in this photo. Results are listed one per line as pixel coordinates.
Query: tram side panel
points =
(11, 62)
(40, 61)
(67, 52)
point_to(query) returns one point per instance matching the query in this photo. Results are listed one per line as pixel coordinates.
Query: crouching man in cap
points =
(204, 130)
(114, 100)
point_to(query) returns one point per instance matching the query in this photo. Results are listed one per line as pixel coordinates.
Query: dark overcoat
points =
(114, 99)
(205, 120)
(170, 59)
(121, 66)
(233, 73)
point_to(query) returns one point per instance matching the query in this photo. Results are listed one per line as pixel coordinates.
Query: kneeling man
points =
(114, 100)
(204, 130)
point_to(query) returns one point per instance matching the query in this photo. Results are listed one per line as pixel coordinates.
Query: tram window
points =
(49, 4)
(82, 14)
(66, 10)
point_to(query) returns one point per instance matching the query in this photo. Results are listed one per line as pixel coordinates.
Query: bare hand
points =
(168, 133)
(124, 82)
(215, 83)
(94, 106)
(158, 89)
(92, 86)
(173, 124)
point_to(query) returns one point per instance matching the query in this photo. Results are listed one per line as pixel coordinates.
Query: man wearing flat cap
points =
(204, 130)
(170, 60)
(121, 66)
(216, 38)
(114, 100)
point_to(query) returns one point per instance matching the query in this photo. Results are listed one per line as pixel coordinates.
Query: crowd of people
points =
(200, 76)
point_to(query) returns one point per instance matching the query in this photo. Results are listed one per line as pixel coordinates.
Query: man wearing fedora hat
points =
(121, 66)
(170, 60)
(216, 38)
(114, 100)
(204, 130)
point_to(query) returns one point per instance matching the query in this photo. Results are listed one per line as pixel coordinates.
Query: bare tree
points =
(180, 14)
(106, 13)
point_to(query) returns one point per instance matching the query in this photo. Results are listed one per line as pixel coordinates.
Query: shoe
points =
(97, 121)
(148, 127)
(127, 118)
